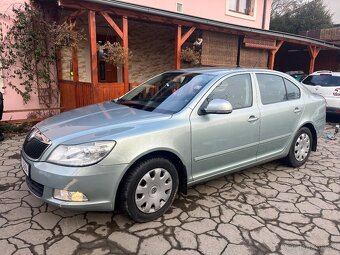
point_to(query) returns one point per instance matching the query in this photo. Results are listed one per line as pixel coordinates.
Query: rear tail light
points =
(337, 92)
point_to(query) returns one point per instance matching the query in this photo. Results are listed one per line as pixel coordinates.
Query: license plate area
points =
(25, 166)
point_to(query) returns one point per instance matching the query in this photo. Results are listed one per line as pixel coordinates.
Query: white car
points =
(326, 84)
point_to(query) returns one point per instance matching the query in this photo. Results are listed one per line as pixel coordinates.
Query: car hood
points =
(95, 121)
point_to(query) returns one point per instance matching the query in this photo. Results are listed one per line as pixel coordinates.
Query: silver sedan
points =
(174, 130)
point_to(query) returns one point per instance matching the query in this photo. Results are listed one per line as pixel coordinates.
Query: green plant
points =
(28, 51)
(191, 56)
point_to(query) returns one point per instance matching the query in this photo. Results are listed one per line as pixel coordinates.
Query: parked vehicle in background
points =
(297, 75)
(326, 84)
(175, 130)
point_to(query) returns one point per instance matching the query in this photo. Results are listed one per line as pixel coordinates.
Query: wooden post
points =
(179, 42)
(75, 64)
(93, 46)
(126, 49)
(272, 54)
(313, 52)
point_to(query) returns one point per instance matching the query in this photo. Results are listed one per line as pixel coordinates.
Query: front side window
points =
(242, 6)
(236, 89)
(167, 93)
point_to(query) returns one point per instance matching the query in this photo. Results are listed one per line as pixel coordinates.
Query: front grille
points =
(35, 187)
(34, 148)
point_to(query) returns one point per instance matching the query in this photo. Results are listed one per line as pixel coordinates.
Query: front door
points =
(223, 142)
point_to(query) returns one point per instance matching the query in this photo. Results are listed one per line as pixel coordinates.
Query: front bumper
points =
(98, 183)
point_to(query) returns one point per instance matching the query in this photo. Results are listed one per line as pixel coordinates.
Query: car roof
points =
(224, 70)
(326, 72)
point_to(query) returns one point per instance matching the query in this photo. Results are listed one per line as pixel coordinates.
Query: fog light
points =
(69, 195)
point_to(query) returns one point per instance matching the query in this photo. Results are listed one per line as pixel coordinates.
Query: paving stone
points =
(266, 237)
(237, 249)
(99, 218)
(248, 209)
(211, 245)
(268, 213)
(330, 196)
(296, 250)
(69, 225)
(34, 236)
(288, 196)
(302, 190)
(13, 230)
(127, 241)
(331, 215)
(318, 237)
(307, 207)
(143, 226)
(254, 199)
(186, 239)
(6, 248)
(327, 225)
(199, 227)
(287, 235)
(199, 213)
(18, 213)
(230, 232)
(226, 214)
(64, 246)
(103, 231)
(246, 222)
(322, 204)
(47, 220)
(329, 251)
(183, 252)
(24, 251)
(267, 192)
(147, 246)
(293, 218)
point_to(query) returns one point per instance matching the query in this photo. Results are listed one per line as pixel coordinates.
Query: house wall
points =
(13, 101)
(212, 9)
(152, 47)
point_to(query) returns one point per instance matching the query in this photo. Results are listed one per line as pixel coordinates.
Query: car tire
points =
(300, 149)
(149, 189)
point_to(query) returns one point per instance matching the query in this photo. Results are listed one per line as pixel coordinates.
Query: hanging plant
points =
(114, 53)
(191, 56)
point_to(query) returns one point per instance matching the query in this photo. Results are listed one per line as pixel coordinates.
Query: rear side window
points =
(293, 92)
(322, 80)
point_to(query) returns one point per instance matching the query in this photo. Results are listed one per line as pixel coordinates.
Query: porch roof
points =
(184, 19)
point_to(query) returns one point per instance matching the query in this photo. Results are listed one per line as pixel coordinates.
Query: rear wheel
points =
(149, 189)
(300, 148)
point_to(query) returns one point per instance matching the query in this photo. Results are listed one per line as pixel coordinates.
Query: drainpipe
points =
(264, 14)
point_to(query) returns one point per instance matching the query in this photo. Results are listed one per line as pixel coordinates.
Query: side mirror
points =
(218, 106)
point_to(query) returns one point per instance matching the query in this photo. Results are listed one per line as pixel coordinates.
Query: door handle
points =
(252, 118)
(297, 110)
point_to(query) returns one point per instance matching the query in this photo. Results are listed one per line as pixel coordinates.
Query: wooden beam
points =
(272, 54)
(112, 24)
(187, 35)
(178, 47)
(313, 52)
(93, 46)
(125, 43)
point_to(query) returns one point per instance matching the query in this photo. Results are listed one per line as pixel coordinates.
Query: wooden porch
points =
(76, 92)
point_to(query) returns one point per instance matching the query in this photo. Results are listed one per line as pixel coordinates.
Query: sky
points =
(334, 8)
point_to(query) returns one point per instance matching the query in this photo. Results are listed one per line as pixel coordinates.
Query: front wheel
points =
(300, 148)
(149, 189)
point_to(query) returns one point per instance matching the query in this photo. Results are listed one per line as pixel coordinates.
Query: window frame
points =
(241, 14)
(285, 87)
(220, 81)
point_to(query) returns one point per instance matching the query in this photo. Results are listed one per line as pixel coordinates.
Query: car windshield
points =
(167, 93)
(322, 80)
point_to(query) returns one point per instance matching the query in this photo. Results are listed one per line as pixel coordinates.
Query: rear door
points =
(281, 107)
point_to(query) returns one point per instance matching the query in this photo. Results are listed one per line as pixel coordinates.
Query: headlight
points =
(81, 154)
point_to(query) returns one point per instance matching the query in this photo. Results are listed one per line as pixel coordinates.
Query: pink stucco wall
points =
(13, 101)
(210, 9)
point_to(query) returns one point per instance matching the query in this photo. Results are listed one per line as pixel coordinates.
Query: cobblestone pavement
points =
(267, 209)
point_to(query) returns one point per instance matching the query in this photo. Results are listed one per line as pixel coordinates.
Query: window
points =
(272, 88)
(242, 6)
(322, 80)
(293, 92)
(236, 89)
(275, 89)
